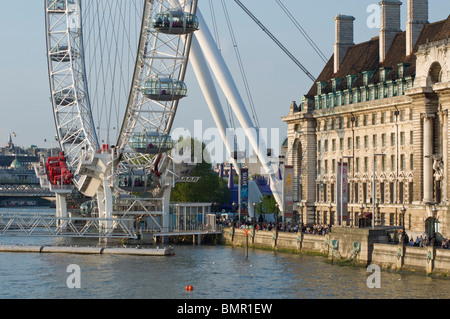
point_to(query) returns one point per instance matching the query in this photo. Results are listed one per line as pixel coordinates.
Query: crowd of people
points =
(317, 229)
(424, 241)
(290, 227)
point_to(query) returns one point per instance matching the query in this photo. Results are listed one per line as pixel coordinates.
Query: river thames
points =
(215, 272)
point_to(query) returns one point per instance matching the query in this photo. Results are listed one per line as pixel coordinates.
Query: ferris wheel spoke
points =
(116, 71)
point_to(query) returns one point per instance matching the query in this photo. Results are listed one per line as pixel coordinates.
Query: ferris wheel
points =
(116, 70)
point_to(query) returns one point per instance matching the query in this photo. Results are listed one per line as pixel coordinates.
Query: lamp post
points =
(403, 210)
(234, 211)
(301, 213)
(373, 189)
(261, 210)
(362, 213)
(341, 182)
(433, 235)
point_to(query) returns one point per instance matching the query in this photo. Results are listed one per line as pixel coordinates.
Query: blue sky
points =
(274, 80)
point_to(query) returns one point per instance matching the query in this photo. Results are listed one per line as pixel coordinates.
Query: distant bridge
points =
(24, 190)
(6, 160)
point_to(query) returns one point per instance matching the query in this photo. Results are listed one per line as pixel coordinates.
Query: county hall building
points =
(383, 103)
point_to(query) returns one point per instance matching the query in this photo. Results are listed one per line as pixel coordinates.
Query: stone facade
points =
(398, 108)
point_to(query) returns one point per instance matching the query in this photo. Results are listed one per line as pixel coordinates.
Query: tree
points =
(269, 205)
(209, 188)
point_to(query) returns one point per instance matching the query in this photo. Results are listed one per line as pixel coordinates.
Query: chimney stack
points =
(390, 25)
(417, 19)
(344, 38)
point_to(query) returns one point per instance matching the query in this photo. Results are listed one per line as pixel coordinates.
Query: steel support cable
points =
(302, 31)
(241, 65)
(282, 47)
(216, 35)
(109, 27)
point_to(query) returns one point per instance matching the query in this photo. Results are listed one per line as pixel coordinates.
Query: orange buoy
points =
(189, 288)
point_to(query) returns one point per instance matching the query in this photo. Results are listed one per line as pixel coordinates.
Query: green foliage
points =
(209, 188)
(268, 205)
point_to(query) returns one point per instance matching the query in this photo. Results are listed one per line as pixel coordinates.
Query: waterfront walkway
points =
(362, 246)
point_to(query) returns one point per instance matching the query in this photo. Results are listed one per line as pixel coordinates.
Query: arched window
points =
(435, 73)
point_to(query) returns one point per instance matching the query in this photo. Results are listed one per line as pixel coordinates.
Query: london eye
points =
(117, 77)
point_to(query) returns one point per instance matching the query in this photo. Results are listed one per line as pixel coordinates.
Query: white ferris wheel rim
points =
(158, 55)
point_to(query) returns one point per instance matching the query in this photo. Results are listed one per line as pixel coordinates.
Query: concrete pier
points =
(88, 250)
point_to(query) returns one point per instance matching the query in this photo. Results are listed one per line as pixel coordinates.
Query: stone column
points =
(428, 157)
(444, 133)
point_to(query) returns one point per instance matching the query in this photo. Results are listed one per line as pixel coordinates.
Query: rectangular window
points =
(383, 163)
(366, 164)
(333, 145)
(383, 117)
(411, 162)
(366, 120)
(392, 139)
(333, 168)
(357, 165)
(326, 146)
(364, 192)
(411, 137)
(374, 118)
(366, 141)
(402, 138)
(402, 162)
(357, 142)
(349, 143)
(391, 193)
(319, 146)
(341, 144)
(411, 192)
(383, 139)
(375, 141)
(392, 162)
(326, 167)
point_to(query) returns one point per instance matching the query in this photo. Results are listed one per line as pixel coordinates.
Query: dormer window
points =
(336, 83)
(350, 81)
(402, 67)
(367, 76)
(321, 85)
(384, 73)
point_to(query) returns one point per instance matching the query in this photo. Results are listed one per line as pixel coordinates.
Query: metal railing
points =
(47, 225)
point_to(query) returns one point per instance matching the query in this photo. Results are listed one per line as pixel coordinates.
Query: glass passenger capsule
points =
(151, 143)
(137, 180)
(175, 22)
(64, 97)
(165, 89)
(61, 54)
(58, 5)
(72, 136)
